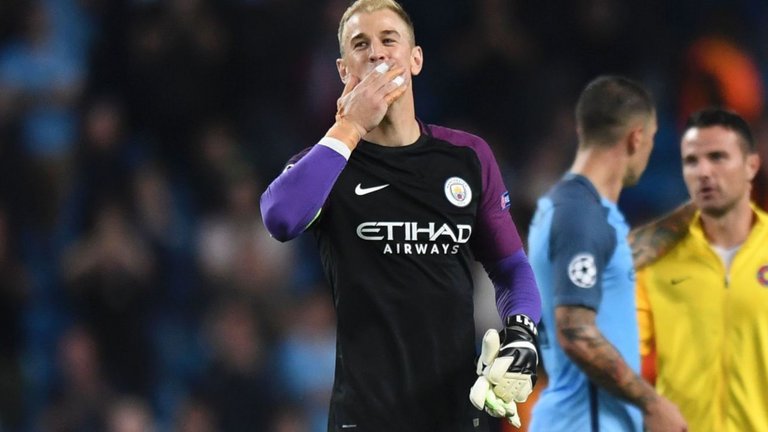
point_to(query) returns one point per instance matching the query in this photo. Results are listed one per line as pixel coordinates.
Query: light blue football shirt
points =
(580, 256)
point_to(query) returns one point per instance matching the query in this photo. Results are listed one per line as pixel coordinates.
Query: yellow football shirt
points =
(709, 329)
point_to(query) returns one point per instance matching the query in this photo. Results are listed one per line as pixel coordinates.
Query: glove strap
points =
(520, 320)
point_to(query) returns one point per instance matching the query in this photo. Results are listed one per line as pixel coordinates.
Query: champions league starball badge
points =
(458, 192)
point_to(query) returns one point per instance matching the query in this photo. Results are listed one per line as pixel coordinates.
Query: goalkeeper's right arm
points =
(513, 372)
(506, 368)
(294, 200)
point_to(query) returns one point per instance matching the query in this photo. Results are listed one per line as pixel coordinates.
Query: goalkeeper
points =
(400, 209)
(582, 261)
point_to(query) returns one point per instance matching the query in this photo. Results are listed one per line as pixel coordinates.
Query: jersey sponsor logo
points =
(413, 238)
(360, 190)
(762, 275)
(458, 192)
(582, 270)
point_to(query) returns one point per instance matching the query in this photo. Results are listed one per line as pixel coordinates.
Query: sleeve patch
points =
(506, 202)
(582, 270)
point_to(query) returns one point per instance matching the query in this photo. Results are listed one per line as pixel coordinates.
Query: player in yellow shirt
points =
(703, 305)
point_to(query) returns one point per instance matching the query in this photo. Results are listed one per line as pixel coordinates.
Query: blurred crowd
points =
(139, 289)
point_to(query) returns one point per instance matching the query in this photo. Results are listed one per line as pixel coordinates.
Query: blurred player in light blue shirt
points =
(583, 265)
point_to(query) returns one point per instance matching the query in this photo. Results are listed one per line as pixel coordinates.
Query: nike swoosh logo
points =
(360, 190)
(679, 280)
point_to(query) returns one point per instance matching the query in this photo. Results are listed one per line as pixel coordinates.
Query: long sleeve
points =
(515, 285)
(296, 197)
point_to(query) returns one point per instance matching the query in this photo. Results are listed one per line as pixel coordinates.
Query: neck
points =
(399, 126)
(604, 167)
(730, 229)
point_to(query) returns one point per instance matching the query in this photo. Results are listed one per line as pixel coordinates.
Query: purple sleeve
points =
(495, 235)
(516, 290)
(495, 240)
(293, 200)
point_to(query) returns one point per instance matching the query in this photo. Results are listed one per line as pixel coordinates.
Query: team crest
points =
(762, 276)
(458, 192)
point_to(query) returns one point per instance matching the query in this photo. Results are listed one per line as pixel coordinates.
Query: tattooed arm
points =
(653, 240)
(581, 340)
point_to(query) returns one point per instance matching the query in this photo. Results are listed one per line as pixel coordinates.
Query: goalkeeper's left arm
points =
(507, 365)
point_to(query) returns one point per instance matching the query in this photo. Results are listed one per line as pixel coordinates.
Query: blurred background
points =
(139, 289)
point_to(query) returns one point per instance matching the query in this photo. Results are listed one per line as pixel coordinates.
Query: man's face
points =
(376, 37)
(640, 159)
(716, 169)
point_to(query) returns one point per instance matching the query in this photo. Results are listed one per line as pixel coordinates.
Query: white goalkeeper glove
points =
(482, 396)
(506, 368)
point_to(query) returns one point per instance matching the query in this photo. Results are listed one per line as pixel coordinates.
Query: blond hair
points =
(369, 6)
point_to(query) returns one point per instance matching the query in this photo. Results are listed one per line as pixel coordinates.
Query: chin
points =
(630, 180)
(714, 210)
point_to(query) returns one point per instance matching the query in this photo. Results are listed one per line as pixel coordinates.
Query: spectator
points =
(307, 357)
(129, 414)
(80, 402)
(109, 275)
(239, 386)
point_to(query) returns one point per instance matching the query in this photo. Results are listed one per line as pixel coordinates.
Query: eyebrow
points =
(382, 33)
(390, 33)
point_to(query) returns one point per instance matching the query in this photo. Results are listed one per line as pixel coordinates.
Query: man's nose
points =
(704, 169)
(378, 52)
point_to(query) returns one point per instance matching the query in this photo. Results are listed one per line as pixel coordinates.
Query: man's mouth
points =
(706, 190)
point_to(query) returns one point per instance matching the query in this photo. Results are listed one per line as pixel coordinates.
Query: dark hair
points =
(715, 116)
(606, 105)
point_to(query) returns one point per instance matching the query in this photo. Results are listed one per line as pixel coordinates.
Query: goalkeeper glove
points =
(513, 372)
(506, 369)
(482, 396)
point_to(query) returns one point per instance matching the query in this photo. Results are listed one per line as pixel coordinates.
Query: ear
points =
(341, 66)
(634, 140)
(753, 165)
(417, 60)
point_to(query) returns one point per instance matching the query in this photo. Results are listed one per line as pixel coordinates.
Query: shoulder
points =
(467, 142)
(570, 201)
(578, 214)
(577, 198)
(762, 216)
(760, 228)
(457, 137)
